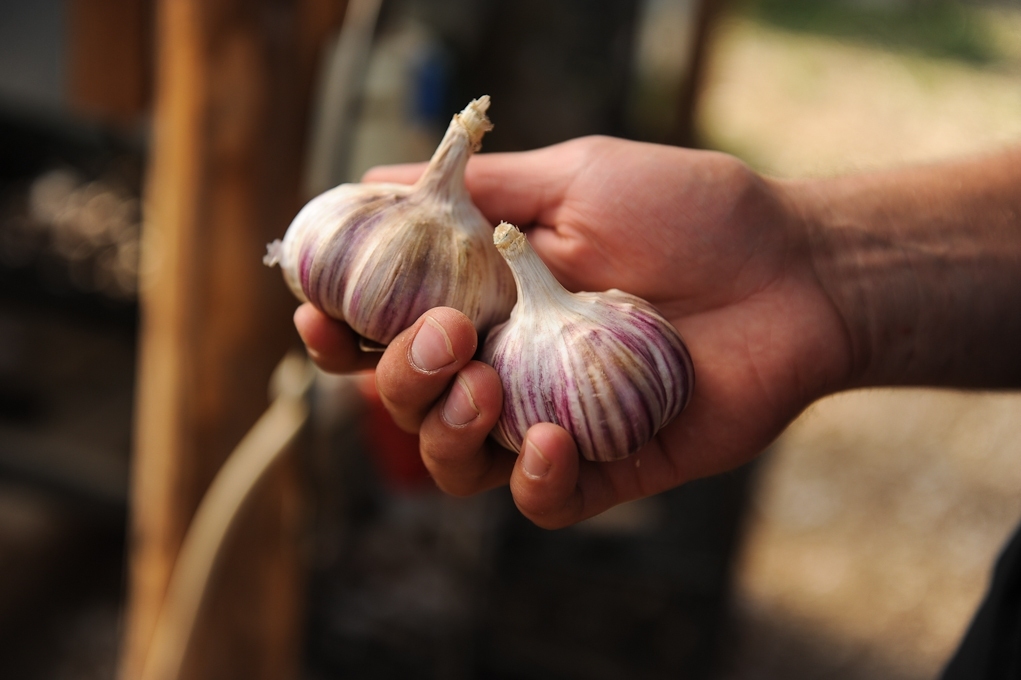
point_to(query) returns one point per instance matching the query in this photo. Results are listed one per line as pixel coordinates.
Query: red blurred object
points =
(394, 451)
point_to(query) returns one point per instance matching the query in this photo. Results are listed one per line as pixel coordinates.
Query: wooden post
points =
(233, 81)
(110, 59)
(707, 18)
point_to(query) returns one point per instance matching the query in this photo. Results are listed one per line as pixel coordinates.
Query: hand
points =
(721, 252)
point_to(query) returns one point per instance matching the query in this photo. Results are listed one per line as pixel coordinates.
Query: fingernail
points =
(533, 463)
(460, 408)
(431, 349)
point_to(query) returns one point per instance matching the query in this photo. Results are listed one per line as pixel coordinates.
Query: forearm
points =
(924, 266)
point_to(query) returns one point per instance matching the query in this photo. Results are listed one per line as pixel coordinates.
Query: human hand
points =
(718, 250)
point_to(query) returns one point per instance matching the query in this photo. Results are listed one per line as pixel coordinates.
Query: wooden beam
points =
(233, 80)
(110, 58)
(707, 18)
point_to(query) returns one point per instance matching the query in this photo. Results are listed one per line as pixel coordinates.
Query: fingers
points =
(331, 344)
(404, 173)
(522, 188)
(453, 435)
(553, 486)
(420, 363)
(430, 385)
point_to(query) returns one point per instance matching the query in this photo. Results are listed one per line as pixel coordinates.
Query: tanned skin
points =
(784, 291)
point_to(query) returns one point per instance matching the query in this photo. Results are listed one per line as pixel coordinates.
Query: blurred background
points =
(857, 547)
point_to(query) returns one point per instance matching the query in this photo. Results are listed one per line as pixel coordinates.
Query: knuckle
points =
(400, 395)
(454, 483)
(453, 475)
(395, 399)
(331, 366)
(456, 488)
(550, 522)
(542, 514)
(408, 419)
(410, 425)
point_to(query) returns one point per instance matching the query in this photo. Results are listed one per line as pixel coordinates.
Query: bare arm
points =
(924, 265)
(784, 292)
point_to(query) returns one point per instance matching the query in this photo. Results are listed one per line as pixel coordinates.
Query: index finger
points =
(331, 344)
(523, 188)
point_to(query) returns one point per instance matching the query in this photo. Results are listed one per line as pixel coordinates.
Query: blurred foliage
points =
(937, 28)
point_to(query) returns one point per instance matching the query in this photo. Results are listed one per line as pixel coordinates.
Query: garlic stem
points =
(607, 367)
(445, 174)
(526, 265)
(378, 256)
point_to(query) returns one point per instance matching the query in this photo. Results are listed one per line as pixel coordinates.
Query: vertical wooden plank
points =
(110, 58)
(232, 95)
(706, 19)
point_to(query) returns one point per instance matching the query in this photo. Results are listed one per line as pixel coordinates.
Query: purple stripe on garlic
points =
(378, 256)
(604, 366)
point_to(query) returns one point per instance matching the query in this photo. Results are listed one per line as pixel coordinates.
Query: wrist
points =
(834, 245)
(807, 222)
(923, 266)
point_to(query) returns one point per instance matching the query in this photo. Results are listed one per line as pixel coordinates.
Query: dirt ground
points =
(879, 513)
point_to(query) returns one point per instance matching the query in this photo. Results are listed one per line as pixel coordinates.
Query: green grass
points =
(937, 28)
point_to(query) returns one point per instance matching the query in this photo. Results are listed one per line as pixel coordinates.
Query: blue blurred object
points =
(431, 82)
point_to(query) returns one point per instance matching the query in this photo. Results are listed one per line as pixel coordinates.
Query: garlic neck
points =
(535, 282)
(445, 174)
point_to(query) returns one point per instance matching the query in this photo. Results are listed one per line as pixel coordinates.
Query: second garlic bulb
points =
(378, 256)
(604, 366)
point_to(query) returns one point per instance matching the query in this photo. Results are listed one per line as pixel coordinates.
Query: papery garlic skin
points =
(378, 256)
(604, 366)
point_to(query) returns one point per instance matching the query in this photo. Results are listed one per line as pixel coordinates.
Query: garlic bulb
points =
(604, 366)
(378, 256)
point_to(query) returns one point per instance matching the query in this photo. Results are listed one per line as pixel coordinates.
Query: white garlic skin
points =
(378, 256)
(604, 366)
